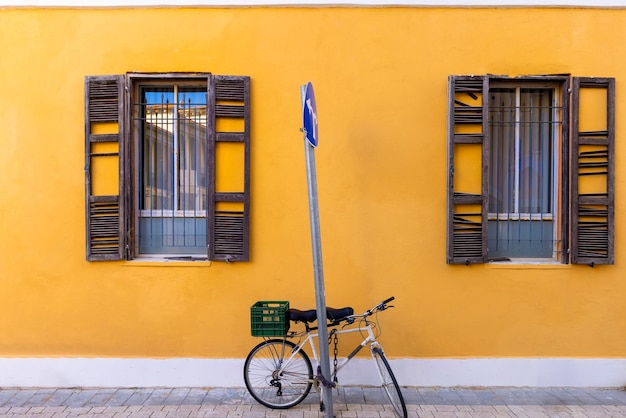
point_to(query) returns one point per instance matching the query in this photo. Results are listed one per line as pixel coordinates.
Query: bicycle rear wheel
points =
(390, 384)
(275, 376)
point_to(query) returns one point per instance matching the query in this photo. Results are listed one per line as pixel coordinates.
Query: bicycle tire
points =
(389, 383)
(272, 387)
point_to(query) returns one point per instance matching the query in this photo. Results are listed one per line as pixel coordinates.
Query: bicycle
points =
(278, 372)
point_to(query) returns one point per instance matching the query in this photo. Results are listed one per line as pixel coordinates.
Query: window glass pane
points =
(535, 150)
(157, 143)
(502, 157)
(192, 149)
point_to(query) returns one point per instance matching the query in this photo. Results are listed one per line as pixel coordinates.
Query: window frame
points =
(559, 136)
(136, 83)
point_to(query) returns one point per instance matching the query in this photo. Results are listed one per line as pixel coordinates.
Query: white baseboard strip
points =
(191, 372)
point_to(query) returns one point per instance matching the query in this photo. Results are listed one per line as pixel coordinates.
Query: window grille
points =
(523, 124)
(172, 135)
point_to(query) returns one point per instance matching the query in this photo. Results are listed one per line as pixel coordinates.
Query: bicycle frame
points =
(370, 339)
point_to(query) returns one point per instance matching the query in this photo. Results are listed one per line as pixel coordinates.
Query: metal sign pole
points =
(320, 299)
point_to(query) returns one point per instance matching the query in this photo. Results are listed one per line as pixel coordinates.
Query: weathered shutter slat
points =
(104, 213)
(228, 230)
(593, 157)
(467, 210)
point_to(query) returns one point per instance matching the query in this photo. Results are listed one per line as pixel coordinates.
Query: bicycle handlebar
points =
(351, 318)
(380, 307)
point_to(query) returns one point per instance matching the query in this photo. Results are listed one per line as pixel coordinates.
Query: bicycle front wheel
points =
(390, 384)
(277, 374)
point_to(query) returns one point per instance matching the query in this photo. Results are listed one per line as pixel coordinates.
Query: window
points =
(162, 177)
(522, 183)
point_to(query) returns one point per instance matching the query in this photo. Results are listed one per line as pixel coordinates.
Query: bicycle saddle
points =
(333, 314)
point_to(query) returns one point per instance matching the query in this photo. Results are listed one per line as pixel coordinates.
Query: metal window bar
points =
(172, 136)
(521, 178)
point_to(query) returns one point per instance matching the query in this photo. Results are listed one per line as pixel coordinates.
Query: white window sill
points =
(169, 262)
(527, 264)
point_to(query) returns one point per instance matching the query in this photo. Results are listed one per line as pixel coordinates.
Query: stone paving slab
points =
(349, 402)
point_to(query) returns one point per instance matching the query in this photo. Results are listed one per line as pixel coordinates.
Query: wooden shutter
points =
(229, 225)
(468, 159)
(593, 170)
(104, 168)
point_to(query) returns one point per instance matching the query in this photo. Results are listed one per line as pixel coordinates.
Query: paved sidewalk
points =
(349, 402)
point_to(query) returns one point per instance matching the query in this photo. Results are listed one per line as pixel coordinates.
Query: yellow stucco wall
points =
(380, 77)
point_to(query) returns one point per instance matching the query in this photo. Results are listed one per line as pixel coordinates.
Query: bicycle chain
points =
(335, 352)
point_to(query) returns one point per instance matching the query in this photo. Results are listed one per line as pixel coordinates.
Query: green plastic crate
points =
(268, 318)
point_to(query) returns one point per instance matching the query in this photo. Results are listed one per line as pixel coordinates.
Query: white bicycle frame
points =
(370, 339)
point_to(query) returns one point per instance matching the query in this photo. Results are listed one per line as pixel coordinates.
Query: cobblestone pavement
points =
(348, 402)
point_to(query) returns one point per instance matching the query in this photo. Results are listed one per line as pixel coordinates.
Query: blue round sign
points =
(310, 116)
